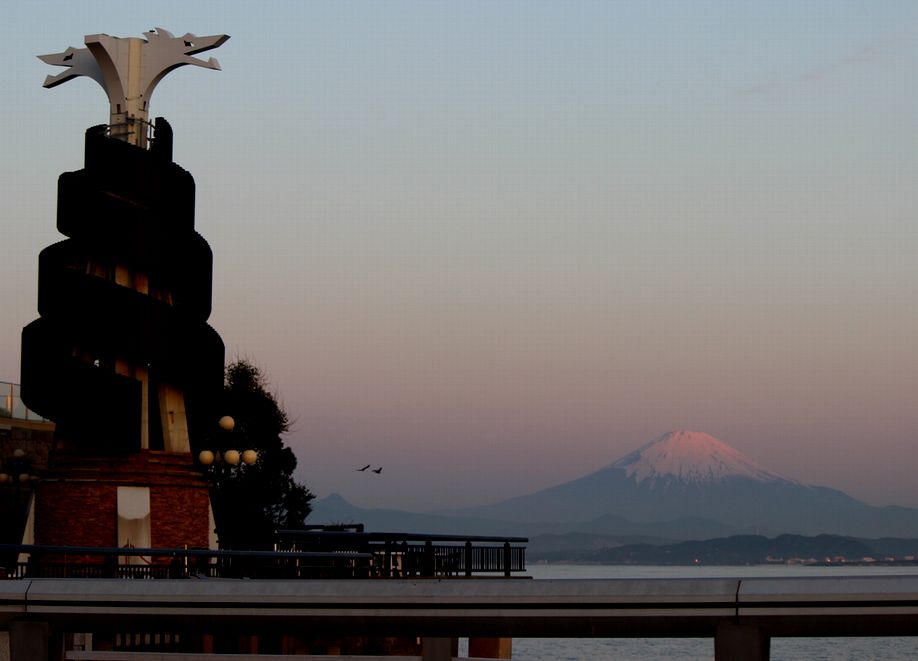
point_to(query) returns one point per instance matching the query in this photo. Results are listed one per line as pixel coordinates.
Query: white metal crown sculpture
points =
(128, 69)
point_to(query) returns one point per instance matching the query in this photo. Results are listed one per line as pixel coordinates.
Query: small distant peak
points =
(334, 498)
(692, 457)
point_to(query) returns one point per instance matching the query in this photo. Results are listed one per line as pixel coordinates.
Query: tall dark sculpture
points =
(124, 301)
(122, 358)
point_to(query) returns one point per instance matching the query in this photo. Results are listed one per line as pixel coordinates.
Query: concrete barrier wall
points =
(740, 614)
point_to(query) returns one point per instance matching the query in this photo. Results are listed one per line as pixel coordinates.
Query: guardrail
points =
(11, 405)
(298, 554)
(36, 561)
(741, 615)
(403, 555)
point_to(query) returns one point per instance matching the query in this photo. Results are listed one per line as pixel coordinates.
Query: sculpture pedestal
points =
(149, 499)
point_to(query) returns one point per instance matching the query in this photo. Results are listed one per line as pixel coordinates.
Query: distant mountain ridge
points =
(682, 485)
(740, 550)
(334, 509)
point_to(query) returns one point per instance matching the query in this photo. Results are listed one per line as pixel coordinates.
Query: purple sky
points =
(493, 246)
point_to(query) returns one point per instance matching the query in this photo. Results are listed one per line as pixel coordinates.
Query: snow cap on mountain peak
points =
(693, 457)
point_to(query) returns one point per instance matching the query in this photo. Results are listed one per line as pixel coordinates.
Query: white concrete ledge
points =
(642, 608)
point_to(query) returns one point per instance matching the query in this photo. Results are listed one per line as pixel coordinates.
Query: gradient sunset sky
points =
(492, 246)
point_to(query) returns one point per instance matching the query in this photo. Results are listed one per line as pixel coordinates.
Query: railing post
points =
(110, 567)
(507, 554)
(429, 564)
(468, 558)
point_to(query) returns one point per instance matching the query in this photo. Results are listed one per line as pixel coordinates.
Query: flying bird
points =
(377, 470)
(360, 470)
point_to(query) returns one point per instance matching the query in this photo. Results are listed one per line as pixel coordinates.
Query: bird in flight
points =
(377, 470)
(360, 470)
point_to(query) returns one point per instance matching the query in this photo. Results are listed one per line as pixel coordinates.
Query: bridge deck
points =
(737, 613)
(886, 605)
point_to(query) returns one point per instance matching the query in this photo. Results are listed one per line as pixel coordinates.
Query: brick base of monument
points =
(76, 502)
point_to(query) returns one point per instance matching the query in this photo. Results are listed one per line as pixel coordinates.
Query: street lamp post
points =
(229, 470)
(214, 459)
(16, 471)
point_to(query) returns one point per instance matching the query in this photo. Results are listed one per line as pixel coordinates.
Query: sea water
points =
(702, 649)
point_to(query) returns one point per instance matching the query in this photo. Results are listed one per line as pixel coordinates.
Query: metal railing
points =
(23, 561)
(398, 555)
(299, 554)
(11, 405)
(132, 129)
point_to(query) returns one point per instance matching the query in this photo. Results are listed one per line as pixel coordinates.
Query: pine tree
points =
(252, 501)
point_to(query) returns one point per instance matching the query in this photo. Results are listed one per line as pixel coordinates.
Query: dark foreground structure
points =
(122, 358)
(310, 555)
(314, 557)
(740, 615)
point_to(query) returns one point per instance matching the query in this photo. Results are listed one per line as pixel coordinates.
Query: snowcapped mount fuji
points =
(685, 476)
(690, 457)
